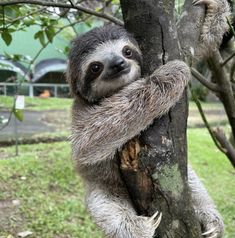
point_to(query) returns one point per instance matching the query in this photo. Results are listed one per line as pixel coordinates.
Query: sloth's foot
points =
(145, 226)
(211, 223)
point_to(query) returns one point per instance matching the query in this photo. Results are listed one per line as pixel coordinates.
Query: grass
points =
(206, 105)
(42, 179)
(38, 104)
(216, 173)
(50, 193)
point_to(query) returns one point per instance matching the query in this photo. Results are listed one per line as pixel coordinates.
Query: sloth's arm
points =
(100, 130)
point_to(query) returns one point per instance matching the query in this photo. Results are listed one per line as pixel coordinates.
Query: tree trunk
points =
(154, 165)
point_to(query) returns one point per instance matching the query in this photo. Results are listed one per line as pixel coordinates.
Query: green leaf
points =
(19, 114)
(36, 35)
(40, 35)
(66, 50)
(54, 22)
(11, 30)
(28, 21)
(6, 36)
(42, 38)
(50, 33)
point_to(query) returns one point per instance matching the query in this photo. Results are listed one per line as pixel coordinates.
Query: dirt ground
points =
(38, 126)
(216, 117)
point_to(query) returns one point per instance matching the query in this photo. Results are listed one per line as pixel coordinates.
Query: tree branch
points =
(211, 86)
(227, 60)
(72, 3)
(228, 149)
(23, 17)
(79, 7)
(199, 106)
(226, 92)
(217, 135)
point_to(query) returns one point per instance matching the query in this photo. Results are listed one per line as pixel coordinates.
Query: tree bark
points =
(154, 165)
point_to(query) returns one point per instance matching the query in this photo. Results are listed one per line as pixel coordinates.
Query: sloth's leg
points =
(114, 214)
(215, 24)
(210, 219)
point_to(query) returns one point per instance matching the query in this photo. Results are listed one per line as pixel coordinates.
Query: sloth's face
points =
(113, 65)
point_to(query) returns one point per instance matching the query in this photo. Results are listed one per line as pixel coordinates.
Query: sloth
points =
(113, 104)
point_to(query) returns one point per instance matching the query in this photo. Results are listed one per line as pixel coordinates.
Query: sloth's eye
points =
(127, 52)
(96, 67)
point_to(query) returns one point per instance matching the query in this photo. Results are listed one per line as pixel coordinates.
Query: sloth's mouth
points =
(119, 73)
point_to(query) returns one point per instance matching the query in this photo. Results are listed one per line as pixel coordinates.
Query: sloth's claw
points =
(210, 233)
(153, 216)
(207, 2)
(158, 221)
(155, 219)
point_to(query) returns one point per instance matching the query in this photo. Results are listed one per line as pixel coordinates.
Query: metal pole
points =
(5, 90)
(31, 94)
(16, 124)
(16, 136)
(55, 91)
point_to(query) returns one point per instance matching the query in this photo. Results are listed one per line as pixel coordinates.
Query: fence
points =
(29, 89)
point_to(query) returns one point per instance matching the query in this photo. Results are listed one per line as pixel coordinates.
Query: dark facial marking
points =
(96, 68)
(93, 72)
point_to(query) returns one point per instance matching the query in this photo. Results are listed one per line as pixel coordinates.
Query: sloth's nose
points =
(118, 64)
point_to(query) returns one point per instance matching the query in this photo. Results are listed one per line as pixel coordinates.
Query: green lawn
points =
(43, 181)
(216, 173)
(65, 103)
(206, 105)
(50, 193)
(38, 104)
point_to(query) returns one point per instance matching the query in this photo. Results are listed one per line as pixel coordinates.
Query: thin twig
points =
(72, 3)
(64, 5)
(212, 86)
(227, 60)
(199, 106)
(23, 17)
